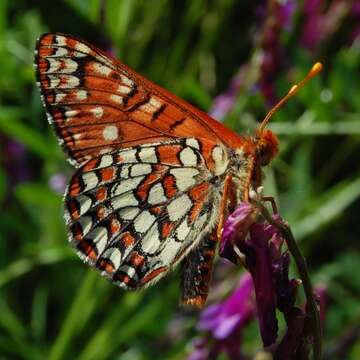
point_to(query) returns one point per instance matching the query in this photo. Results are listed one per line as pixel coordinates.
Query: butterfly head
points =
(266, 147)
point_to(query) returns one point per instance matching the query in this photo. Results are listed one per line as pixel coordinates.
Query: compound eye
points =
(263, 153)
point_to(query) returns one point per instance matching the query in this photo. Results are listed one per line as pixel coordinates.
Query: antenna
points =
(317, 67)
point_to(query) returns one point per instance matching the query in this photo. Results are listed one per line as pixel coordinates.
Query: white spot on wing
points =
(156, 104)
(97, 112)
(124, 200)
(124, 174)
(128, 156)
(54, 65)
(71, 113)
(82, 48)
(106, 160)
(71, 82)
(128, 213)
(148, 155)
(85, 222)
(126, 185)
(60, 52)
(69, 66)
(151, 106)
(99, 237)
(123, 89)
(220, 158)
(90, 180)
(140, 169)
(59, 97)
(182, 230)
(193, 143)
(81, 95)
(184, 177)
(54, 81)
(129, 271)
(179, 207)
(60, 40)
(144, 221)
(188, 157)
(156, 194)
(110, 132)
(114, 255)
(102, 69)
(84, 202)
(151, 241)
(127, 81)
(117, 99)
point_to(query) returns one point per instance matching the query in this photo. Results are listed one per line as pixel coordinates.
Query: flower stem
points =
(304, 275)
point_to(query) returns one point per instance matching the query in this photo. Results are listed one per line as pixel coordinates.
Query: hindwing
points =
(135, 213)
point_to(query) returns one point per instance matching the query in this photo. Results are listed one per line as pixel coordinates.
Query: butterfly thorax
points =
(245, 162)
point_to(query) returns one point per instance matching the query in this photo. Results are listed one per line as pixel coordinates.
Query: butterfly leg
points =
(249, 178)
(272, 202)
(197, 270)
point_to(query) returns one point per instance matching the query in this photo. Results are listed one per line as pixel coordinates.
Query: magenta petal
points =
(235, 229)
(209, 317)
(265, 291)
(227, 326)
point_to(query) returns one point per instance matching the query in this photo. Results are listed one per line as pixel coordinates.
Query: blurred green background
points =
(51, 305)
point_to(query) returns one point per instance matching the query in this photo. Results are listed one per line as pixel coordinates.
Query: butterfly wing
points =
(97, 104)
(135, 213)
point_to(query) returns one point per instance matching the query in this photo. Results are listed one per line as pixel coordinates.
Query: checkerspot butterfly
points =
(154, 174)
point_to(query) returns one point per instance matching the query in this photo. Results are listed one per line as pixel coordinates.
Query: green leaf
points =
(327, 208)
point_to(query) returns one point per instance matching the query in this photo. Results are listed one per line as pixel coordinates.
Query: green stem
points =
(71, 324)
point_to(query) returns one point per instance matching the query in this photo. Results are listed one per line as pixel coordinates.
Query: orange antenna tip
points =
(316, 68)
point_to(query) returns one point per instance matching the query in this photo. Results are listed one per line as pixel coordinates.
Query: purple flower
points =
(57, 182)
(224, 323)
(226, 318)
(200, 350)
(15, 160)
(259, 246)
(311, 31)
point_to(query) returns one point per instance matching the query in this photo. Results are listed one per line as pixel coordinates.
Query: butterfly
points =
(155, 176)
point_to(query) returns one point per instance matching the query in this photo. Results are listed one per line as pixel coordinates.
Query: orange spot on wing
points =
(156, 210)
(137, 260)
(77, 231)
(106, 265)
(166, 228)
(101, 194)
(114, 225)
(168, 154)
(87, 249)
(127, 239)
(198, 194)
(122, 277)
(73, 209)
(75, 187)
(143, 189)
(100, 212)
(169, 184)
(153, 274)
(107, 174)
(90, 165)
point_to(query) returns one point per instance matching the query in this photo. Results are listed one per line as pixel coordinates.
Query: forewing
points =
(97, 104)
(135, 213)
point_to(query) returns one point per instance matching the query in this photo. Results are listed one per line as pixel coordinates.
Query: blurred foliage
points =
(52, 306)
